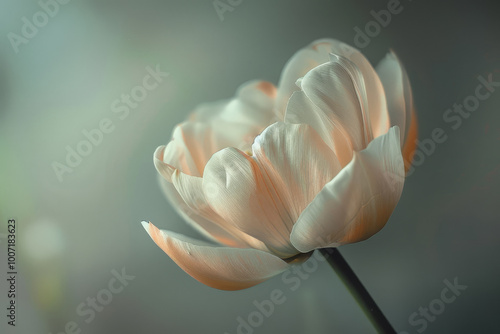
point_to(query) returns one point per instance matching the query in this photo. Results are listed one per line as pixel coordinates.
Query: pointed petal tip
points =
(396, 131)
(165, 170)
(149, 228)
(146, 224)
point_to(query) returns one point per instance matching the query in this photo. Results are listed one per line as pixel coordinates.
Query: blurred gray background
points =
(73, 234)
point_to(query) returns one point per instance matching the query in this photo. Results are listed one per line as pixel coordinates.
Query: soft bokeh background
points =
(72, 234)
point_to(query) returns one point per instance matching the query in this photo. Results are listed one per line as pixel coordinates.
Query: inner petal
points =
(296, 163)
(214, 126)
(239, 192)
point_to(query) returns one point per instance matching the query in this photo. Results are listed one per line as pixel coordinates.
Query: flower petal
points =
(398, 92)
(301, 62)
(191, 146)
(222, 268)
(337, 90)
(301, 110)
(252, 105)
(166, 170)
(358, 201)
(371, 84)
(189, 188)
(297, 162)
(238, 191)
(217, 125)
(318, 53)
(196, 221)
(411, 141)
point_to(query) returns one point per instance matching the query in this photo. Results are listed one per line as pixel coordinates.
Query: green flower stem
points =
(357, 290)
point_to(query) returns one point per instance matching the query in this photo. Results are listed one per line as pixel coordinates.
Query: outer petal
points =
(411, 141)
(398, 92)
(297, 162)
(196, 221)
(238, 191)
(316, 54)
(400, 103)
(222, 268)
(358, 201)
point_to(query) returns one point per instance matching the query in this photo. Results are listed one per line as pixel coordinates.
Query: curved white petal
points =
(376, 102)
(189, 215)
(297, 162)
(237, 190)
(301, 110)
(338, 93)
(297, 66)
(191, 146)
(318, 53)
(200, 216)
(222, 268)
(358, 201)
(191, 192)
(166, 170)
(398, 92)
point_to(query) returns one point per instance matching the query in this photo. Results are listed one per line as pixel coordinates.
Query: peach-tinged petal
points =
(297, 162)
(410, 144)
(189, 215)
(238, 191)
(267, 88)
(398, 92)
(190, 190)
(222, 268)
(358, 202)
